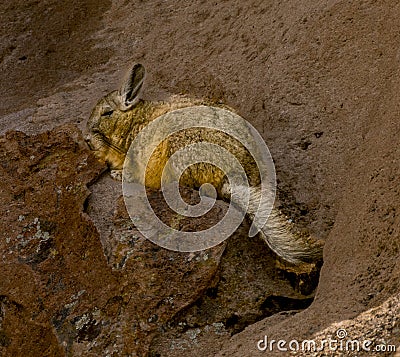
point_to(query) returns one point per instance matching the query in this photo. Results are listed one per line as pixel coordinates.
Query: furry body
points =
(121, 115)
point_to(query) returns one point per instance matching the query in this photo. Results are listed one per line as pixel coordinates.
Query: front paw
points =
(116, 175)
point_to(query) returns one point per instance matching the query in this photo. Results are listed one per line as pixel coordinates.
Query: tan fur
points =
(121, 115)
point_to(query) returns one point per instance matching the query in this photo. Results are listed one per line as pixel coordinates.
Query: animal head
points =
(110, 123)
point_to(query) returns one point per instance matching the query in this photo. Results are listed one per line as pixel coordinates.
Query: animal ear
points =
(129, 91)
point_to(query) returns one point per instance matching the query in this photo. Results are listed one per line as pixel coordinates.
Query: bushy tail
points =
(277, 231)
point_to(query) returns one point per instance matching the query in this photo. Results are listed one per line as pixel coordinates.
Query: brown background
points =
(318, 79)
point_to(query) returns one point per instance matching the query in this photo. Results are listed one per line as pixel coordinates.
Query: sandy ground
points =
(318, 79)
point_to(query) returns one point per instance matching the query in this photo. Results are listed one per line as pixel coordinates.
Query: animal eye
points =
(107, 113)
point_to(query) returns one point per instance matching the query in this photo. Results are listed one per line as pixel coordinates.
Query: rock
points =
(86, 296)
(56, 280)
